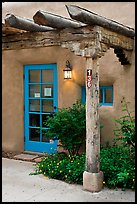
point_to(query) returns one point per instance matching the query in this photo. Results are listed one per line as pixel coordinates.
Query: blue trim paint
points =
(83, 94)
(35, 146)
(103, 88)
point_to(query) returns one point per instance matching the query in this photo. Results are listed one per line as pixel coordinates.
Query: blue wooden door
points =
(40, 100)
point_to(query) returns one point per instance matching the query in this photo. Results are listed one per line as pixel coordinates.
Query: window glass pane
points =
(47, 106)
(108, 96)
(34, 134)
(34, 91)
(47, 75)
(34, 76)
(34, 120)
(47, 91)
(34, 105)
(100, 96)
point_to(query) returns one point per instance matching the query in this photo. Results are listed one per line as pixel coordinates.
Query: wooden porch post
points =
(92, 177)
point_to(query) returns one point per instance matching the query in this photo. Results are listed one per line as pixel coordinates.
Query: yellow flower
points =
(66, 176)
(104, 182)
(69, 171)
(60, 171)
(133, 180)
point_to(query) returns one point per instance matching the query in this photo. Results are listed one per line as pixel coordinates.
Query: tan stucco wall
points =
(13, 87)
(111, 72)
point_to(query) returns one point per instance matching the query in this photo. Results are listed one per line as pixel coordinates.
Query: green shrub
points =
(125, 130)
(69, 126)
(117, 167)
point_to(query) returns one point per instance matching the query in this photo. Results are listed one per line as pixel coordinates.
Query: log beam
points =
(24, 24)
(55, 21)
(91, 18)
(85, 38)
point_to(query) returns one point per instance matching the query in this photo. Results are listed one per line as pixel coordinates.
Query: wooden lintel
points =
(114, 39)
(43, 39)
(93, 35)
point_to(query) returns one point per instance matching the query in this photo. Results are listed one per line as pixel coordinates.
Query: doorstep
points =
(31, 157)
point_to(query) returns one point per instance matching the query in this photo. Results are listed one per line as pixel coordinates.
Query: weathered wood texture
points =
(43, 39)
(114, 39)
(55, 21)
(24, 24)
(6, 30)
(83, 39)
(92, 119)
(91, 18)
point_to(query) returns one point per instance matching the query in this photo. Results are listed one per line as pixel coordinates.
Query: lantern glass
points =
(67, 74)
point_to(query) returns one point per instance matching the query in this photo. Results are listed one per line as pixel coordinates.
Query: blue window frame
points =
(105, 95)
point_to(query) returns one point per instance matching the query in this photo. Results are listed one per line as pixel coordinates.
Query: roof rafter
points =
(24, 24)
(55, 21)
(91, 18)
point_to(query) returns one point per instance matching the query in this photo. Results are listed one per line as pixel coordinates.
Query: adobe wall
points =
(111, 72)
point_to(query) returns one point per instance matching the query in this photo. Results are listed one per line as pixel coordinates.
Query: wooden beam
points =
(10, 30)
(92, 117)
(91, 18)
(24, 24)
(83, 36)
(92, 176)
(55, 21)
(43, 39)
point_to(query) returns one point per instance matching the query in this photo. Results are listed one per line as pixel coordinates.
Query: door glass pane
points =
(47, 106)
(108, 96)
(34, 91)
(34, 76)
(47, 75)
(47, 91)
(34, 105)
(44, 138)
(34, 134)
(100, 96)
(34, 120)
(44, 118)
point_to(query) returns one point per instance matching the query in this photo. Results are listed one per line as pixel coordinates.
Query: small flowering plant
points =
(63, 167)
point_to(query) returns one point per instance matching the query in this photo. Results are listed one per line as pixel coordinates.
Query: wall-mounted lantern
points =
(68, 70)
